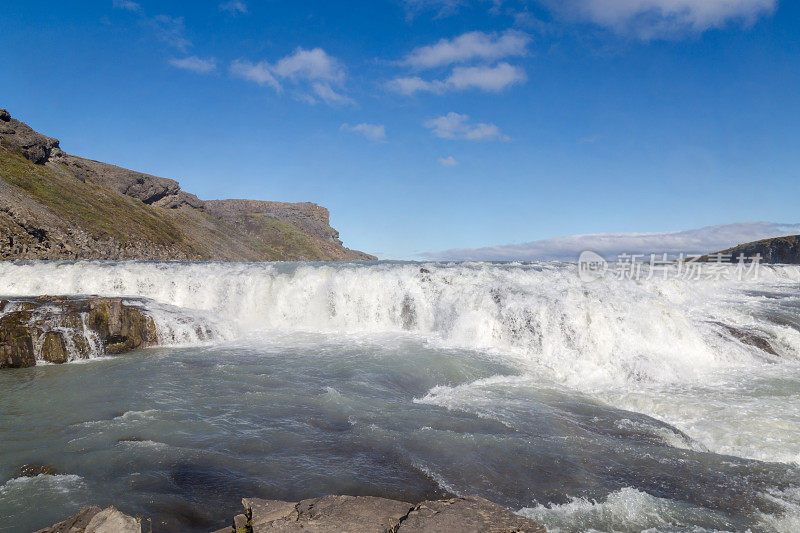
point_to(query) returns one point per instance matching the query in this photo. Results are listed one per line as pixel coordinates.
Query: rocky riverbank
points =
(334, 514)
(61, 329)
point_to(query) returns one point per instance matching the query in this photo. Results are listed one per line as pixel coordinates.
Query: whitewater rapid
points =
(585, 335)
(714, 362)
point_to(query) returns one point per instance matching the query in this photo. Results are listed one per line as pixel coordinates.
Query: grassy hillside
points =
(131, 225)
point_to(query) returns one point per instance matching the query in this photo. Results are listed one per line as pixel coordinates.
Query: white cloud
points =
(456, 126)
(171, 30)
(448, 161)
(328, 95)
(657, 18)
(467, 47)
(260, 73)
(314, 64)
(645, 19)
(195, 64)
(373, 132)
(443, 7)
(127, 5)
(314, 71)
(235, 7)
(484, 78)
(610, 245)
(492, 79)
(415, 84)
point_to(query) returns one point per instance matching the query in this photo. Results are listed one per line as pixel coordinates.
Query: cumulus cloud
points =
(491, 79)
(457, 126)
(610, 245)
(195, 64)
(313, 71)
(448, 161)
(234, 7)
(479, 48)
(663, 18)
(645, 19)
(484, 78)
(127, 5)
(469, 46)
(442, 7)
(260, 73)
(373, 132)
(171, 30)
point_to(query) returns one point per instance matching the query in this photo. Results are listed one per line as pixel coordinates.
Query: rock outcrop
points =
(779, 250)
(366, 514)
(96, 520)
(58, 330)
(54, 205)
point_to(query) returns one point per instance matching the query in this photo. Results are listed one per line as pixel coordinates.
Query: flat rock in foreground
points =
(365, 514)
(95, 520)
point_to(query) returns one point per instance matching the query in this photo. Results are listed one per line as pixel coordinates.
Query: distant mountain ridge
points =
(54, 205)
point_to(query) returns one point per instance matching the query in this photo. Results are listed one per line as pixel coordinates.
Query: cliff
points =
(54, 205)
(783, 250)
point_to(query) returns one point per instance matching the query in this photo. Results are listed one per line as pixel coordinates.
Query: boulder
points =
(95, 520)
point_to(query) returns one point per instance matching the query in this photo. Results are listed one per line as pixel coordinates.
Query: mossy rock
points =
(54, 348)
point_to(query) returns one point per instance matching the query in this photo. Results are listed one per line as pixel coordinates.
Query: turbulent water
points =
(616, 405)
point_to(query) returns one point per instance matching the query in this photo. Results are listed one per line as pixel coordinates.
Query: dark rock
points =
(54, 348)
(779, 250)
(94, 520)
(16, 343)
(34, 146)
(33, 470)
(749, 338)
(57, 330)
(380, 515)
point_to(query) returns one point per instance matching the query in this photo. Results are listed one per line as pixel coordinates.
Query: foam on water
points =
(714, 362)
(627, 509)
(607, 332)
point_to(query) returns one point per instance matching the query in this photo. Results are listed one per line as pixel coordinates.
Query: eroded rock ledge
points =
(61, 329)
(365, 514)
(334, 514)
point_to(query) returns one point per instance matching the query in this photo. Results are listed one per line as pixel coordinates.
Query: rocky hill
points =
(783, 250)
(54, 205)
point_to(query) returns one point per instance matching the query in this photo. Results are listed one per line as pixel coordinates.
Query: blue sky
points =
(431, 125)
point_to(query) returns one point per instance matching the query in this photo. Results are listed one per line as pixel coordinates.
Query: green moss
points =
(103, 213)
(98, 211)
(279, 240)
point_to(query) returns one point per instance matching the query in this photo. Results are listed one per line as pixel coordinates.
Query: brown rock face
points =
(35, 146)
(365, 514)
(58, 330)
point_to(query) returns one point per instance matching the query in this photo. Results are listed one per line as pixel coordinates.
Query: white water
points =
(596, 335)
(671, 349)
